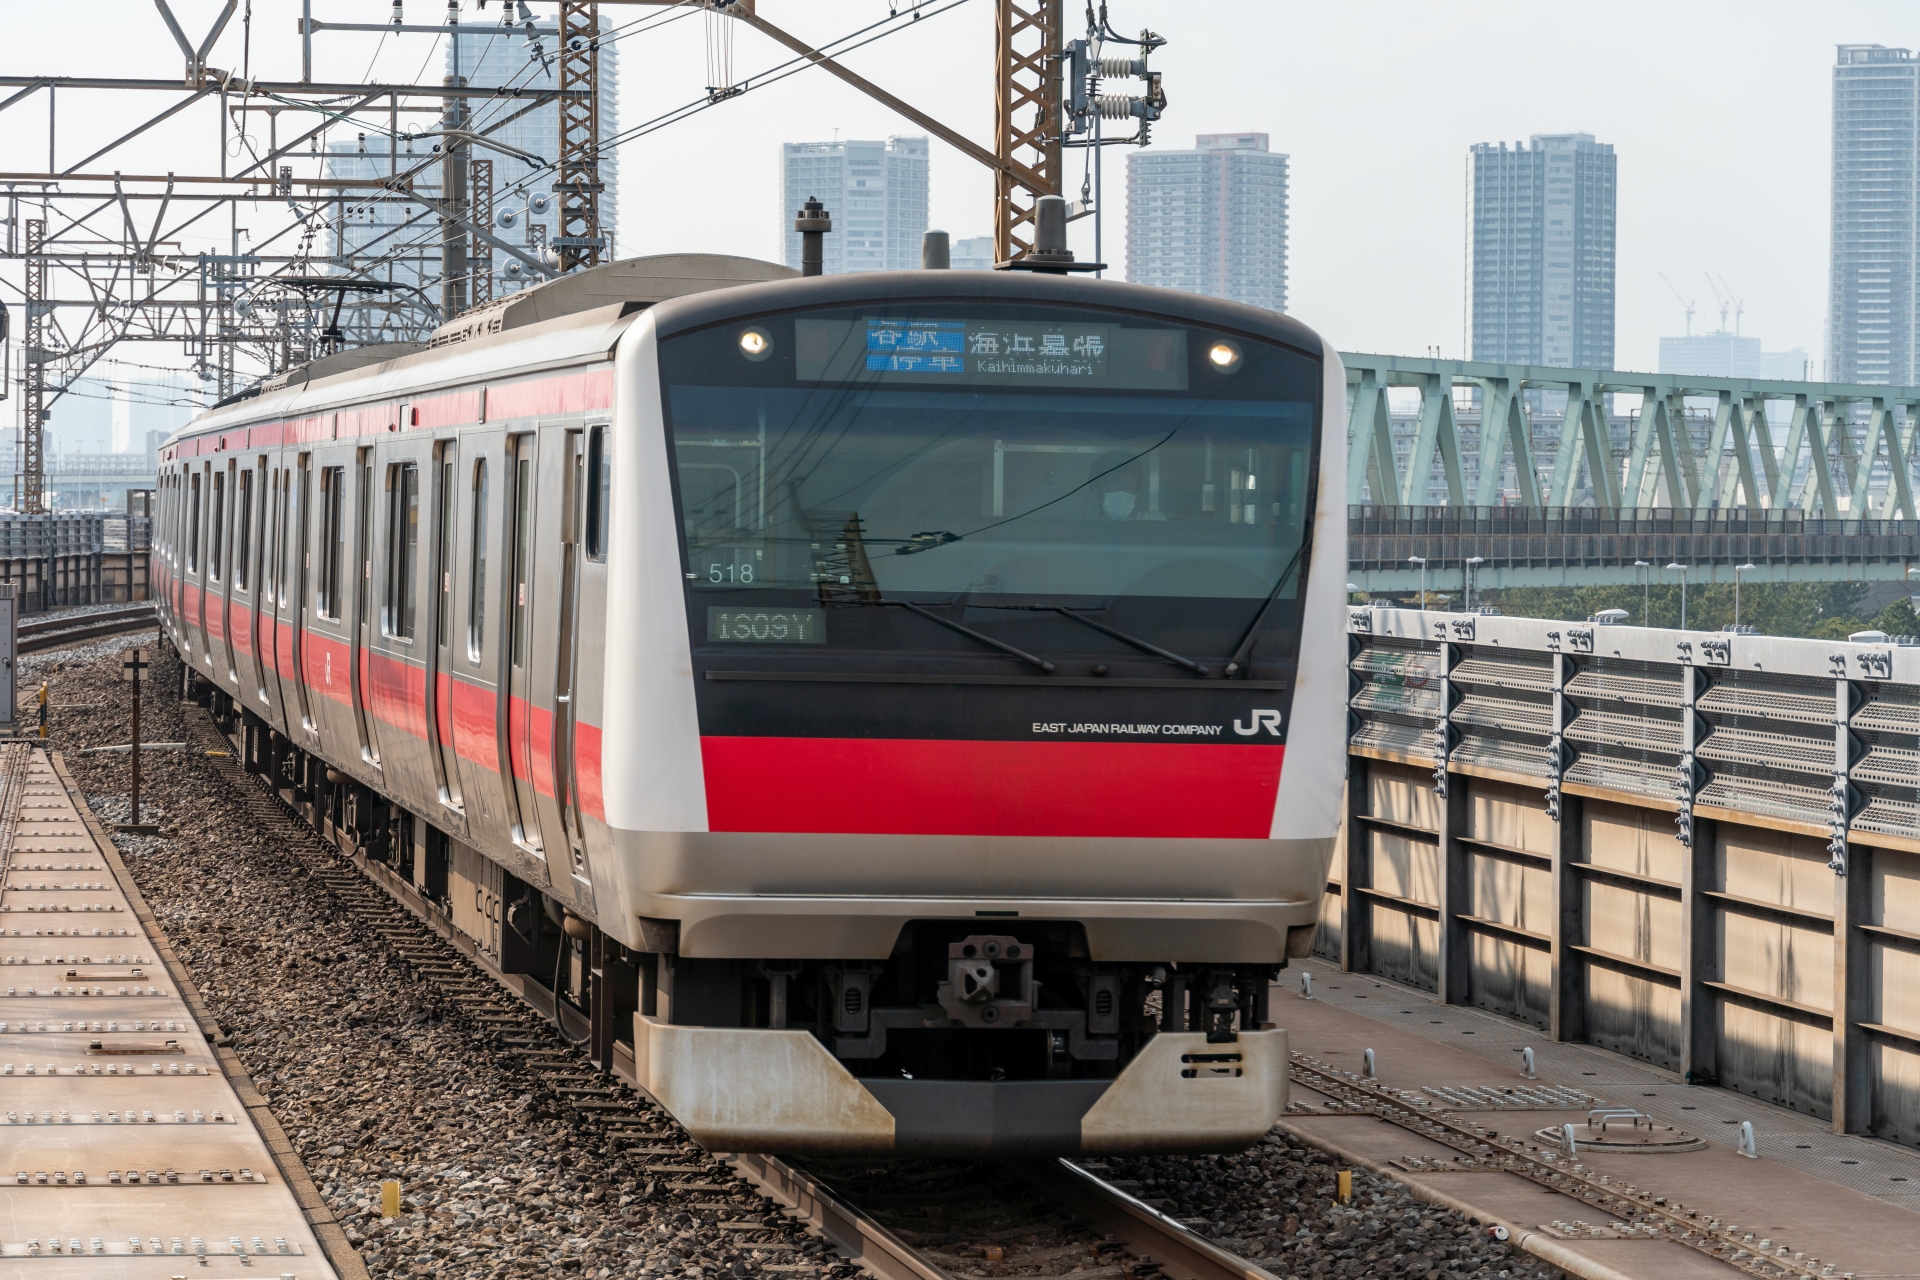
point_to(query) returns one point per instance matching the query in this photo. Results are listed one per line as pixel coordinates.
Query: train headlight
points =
(756, 343)
(1224, 356)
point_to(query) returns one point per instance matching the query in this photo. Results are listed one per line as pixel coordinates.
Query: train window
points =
(333, 538)
(522, 547)
(403, 548)
(193, 523)
(218, 524)
(599, 489)
(477, 586)
(1040, 454)
(242, 529)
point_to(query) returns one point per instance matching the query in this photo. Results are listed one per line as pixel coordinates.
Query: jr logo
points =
(1268, 720)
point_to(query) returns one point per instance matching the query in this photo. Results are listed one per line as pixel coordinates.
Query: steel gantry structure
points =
(102, 241)
(1557, 476)
(102, 250)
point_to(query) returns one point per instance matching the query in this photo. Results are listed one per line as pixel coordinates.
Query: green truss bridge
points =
(1567, 477)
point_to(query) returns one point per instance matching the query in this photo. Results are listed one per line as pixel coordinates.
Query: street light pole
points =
(1737, 571)
(1422, 562)
(1683, 592)
(1646, 592)
(1473, 562)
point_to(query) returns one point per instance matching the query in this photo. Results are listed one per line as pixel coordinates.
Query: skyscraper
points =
(876, 193)
(1876, 224)
(402, 243)
(1212, 220)
(1543, 266)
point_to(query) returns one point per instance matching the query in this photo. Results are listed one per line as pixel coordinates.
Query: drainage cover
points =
(1629, 1134)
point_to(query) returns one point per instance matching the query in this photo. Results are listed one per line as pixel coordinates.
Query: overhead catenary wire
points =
(853, 40)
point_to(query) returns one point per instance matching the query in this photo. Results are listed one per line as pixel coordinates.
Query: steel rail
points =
(57, 633)
(1695, 1228)
(1180, 1254)
(868, 1244)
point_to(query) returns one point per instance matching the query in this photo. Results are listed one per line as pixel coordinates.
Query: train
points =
(891, 713)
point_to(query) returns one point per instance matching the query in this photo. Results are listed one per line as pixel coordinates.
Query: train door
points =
(477, 689)
(221, 562)
(518, 723)
(296, 575)
(273, 687)
(360, 635)
(400, 660)
(572, 508)
(202, 483)
(259, 624)
(442, 725)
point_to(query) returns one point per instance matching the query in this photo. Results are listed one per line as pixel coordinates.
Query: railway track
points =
(1117, 1234)
(57, 633)
(1632, 1212)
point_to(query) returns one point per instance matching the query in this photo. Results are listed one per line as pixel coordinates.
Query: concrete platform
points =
(1848, 1202)
(126, 1153)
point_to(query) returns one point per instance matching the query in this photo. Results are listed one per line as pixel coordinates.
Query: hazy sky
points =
(1719, 113)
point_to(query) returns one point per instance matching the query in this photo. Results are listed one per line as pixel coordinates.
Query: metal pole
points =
(582, 240)
(1027, 78)
(1099, 195)
(33, 372)
(453, 178)
(134, 798)
(306, 77)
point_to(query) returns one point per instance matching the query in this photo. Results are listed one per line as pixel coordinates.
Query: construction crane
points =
(1727, 301)
(1685, 301)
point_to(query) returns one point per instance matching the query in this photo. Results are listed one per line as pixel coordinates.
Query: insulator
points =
(506, 218)
(1122, 66)
(1117, 106)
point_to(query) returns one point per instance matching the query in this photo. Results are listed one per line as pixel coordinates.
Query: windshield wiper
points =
(968, 632)
(1122, 637)
(1238, 662)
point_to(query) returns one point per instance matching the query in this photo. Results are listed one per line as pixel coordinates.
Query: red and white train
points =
(897, 712)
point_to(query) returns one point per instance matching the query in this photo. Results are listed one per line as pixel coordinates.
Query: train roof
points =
(679, 315)
(564, 321)
(580, 317)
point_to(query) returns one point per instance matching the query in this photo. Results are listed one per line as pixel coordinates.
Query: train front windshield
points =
(983, 454)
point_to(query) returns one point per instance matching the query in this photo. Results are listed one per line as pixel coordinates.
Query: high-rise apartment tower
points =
(1543, 267)
(876, 193)
(1212, 220)
(1871, 312)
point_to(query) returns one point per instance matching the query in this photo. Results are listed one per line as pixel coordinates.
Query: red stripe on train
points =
(899, 786)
